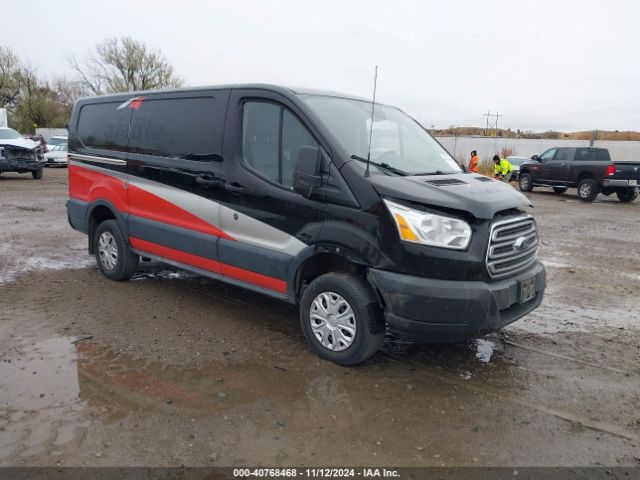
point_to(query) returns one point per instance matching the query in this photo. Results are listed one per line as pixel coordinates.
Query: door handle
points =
(206, 180)
(234, 188)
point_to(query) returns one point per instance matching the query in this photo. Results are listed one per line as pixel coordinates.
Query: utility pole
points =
(492, 123)
(496, 129)
(486, 129)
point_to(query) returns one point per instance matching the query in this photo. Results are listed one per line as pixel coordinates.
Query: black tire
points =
(37, 174)
(125, 263)
(559, 189)
(587, 190)
(367, 317)
(526, 182)
(627, 195)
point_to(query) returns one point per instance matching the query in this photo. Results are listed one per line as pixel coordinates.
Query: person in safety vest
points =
(473, 163)
(503, 169)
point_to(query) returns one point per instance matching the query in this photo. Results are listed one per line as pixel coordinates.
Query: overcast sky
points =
(565, 65)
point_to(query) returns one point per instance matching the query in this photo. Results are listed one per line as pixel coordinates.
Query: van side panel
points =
(126, 153)
(88, 185)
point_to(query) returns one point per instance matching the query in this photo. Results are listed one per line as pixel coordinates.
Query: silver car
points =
(57, 155)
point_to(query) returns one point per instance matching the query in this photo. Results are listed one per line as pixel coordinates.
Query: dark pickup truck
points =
(588, 169)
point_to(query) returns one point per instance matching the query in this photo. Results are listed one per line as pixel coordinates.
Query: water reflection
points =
(39, 397)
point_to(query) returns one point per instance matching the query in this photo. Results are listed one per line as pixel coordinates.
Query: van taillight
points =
(611, 170)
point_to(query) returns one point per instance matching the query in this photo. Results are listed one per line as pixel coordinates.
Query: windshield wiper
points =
(383, 165)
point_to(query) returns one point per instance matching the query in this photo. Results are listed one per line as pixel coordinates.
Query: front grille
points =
(513, 246)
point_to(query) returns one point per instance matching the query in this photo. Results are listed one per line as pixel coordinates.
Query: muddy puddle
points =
(40, 399)
(57, 391)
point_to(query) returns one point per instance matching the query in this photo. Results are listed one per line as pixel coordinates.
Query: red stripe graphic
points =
(210, 265)
(88, 185)
(147, 205)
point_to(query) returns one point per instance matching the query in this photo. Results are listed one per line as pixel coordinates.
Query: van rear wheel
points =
(114, 257)
(341, 318)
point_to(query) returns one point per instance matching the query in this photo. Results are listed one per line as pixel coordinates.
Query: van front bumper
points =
(435, 311)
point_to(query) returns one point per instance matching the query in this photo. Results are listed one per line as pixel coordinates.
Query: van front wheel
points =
(114, 257)
(341, 318)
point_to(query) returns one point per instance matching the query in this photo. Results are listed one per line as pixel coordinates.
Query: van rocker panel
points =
(443, 311)
(178, 238)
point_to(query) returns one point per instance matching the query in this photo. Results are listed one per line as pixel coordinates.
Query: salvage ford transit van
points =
(269, 188)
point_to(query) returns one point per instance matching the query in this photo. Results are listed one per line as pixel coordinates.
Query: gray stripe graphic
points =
(249, 230)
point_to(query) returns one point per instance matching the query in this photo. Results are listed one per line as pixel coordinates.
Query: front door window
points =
(271, 140)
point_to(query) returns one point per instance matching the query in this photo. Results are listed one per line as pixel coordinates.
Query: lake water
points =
(460, 147)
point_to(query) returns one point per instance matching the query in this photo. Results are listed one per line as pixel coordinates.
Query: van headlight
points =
(430, 229)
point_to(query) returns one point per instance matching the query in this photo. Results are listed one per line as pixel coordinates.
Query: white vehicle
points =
(18, 154)
(56, 140)
(57, 155)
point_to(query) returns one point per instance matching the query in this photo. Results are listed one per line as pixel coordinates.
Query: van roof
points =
(255, 86)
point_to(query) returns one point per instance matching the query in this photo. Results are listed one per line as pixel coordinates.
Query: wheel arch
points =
(99, 211)
(317, 260)
(584, 174)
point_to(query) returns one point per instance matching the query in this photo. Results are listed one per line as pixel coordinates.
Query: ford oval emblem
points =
(522, 243)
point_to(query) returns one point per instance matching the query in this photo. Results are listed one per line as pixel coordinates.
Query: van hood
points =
(481, 196)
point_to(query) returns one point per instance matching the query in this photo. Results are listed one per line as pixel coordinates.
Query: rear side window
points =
(271, 140)
(592, 154)
(185, 128)
(103, 126)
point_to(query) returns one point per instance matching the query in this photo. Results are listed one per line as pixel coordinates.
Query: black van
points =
(269, 188)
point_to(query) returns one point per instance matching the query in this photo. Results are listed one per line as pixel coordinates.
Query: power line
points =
(491, 122)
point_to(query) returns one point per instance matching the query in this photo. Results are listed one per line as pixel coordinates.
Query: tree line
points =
(115, 65)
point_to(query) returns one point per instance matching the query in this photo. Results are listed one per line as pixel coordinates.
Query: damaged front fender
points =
(16, 158)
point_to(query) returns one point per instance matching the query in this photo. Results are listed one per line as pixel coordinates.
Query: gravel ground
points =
(171, 369)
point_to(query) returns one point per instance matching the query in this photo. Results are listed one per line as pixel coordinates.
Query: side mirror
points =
(536, 158)
(306, 175)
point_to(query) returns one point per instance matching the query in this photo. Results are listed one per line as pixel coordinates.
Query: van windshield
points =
(397, 140)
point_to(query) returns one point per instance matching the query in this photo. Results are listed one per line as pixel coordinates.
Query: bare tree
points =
(125, 64)
(9, 77)
(67, 92)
